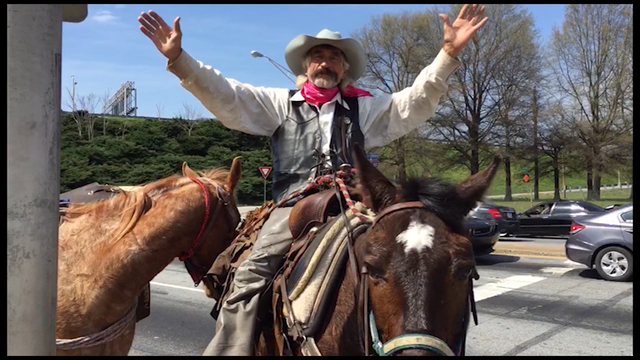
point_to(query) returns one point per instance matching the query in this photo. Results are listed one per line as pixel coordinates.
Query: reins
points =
(194, 268)
(207, 201)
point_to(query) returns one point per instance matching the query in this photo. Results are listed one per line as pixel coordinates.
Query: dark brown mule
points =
(110, 249)
(416, 263)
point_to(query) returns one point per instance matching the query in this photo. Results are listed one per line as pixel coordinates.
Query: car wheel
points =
(614, 263)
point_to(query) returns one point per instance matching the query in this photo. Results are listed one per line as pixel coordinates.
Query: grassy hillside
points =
(168, 129)
(574, 180)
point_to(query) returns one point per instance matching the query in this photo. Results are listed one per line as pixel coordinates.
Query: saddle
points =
(96, 192)
(305, 286)
(313, 210)
(299, 295)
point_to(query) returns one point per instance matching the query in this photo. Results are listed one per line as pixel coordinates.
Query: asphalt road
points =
(542, 306)
(526, 306)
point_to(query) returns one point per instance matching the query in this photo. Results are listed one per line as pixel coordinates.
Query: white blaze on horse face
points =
(417, 236)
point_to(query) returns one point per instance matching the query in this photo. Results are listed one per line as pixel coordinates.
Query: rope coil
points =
(101, 337)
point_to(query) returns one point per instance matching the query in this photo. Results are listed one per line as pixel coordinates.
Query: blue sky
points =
(107, 48)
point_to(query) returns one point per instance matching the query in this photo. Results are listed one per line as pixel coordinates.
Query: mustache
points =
(328, 72)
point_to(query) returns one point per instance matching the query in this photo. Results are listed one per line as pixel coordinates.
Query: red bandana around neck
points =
(318, 96)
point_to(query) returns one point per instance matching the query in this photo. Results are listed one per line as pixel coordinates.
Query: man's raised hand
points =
(458, 34)
(167, 40)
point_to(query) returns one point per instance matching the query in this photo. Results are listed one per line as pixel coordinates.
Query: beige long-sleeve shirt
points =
(261, 110)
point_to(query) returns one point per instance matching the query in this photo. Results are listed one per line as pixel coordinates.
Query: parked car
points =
(554, 217)
(604, 242)
(483, 233)
(505, 216)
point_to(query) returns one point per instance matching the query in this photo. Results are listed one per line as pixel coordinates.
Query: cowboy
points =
(312, 130)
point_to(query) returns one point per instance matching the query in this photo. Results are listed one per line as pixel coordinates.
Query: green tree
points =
(591, 56)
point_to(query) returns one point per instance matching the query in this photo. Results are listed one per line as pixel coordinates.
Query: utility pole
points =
(564, 184)
(536, 167)
(73, 94)
(34, 44)
(619, 183)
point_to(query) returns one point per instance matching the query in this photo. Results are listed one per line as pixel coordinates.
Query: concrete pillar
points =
(34, 40)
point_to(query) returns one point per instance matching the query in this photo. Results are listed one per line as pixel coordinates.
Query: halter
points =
(407, 341)
(194, 268)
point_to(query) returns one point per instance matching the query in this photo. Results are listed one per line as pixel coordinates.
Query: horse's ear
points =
(234, 174)
(472, 189)
(376, 190)
(187, 172)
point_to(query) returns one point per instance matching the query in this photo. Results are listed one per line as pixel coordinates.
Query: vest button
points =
(347, 120)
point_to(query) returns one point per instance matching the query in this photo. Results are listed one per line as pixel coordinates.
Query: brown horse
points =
(109, 250)
(412, 293)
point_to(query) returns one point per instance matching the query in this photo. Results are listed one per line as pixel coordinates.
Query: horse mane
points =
(131, 205)
(218, 175)
(440, 197)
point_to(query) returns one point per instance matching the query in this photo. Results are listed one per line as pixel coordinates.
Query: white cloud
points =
(104, 16)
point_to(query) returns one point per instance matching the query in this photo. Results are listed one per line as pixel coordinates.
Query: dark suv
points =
(506, 217)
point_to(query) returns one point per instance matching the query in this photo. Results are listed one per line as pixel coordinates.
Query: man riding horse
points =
(312, 131)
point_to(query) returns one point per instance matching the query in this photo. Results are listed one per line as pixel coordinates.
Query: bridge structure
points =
(124, 102)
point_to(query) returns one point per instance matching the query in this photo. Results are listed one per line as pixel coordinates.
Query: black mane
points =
(439, 197)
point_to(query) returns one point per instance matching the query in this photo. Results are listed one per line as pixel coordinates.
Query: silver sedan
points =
(604, 242)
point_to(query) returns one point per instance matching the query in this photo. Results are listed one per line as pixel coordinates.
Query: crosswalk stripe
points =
(556, 270)
(505, 285)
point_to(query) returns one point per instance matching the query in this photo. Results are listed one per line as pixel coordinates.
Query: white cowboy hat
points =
(301, 44)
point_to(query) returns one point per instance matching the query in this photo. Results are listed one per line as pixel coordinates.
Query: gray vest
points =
(297, 149)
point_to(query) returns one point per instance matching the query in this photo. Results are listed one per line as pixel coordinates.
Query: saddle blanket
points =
(313, 279)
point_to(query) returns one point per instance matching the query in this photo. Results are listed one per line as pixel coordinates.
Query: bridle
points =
(194, 268)
(405, 341)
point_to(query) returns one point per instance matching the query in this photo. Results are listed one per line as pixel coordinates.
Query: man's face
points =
(326, 66)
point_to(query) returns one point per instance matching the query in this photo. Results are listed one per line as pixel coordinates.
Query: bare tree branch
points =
(187, 116)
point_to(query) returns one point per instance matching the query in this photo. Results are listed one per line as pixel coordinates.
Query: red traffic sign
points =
(525, 178)
(265, 170)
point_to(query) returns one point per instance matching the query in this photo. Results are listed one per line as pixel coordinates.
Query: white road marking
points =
(417, 236)
(177, 287)
(505, 285)
(556, 270)
(571, 262)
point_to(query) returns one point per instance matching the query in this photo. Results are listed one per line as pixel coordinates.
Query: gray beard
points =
(323, 82)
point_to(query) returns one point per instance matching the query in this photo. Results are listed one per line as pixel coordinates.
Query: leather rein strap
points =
(367, 321)
(195, 269)
(360, 279)
(396, 207)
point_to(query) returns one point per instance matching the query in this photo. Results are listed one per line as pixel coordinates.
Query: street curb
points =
(529, 249)
(531, 253)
